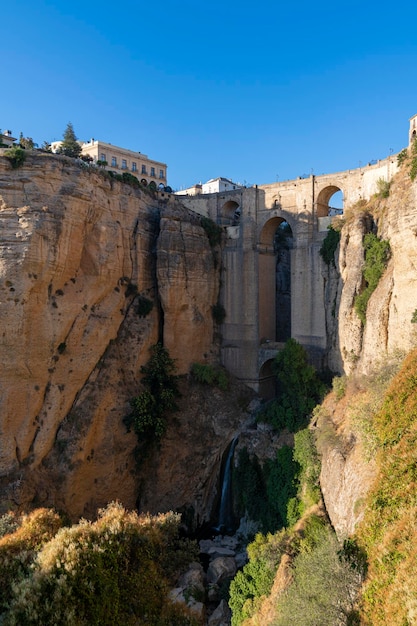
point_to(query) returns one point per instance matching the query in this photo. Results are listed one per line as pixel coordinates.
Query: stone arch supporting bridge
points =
(250, 218)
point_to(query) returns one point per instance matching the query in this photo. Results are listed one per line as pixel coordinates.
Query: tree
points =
(150, 408)
(70, 146)
(26, 142)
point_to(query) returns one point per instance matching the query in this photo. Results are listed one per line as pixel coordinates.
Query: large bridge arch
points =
(276, 241)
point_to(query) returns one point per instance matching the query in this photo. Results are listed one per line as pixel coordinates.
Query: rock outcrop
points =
(347, 473)
(77, 252)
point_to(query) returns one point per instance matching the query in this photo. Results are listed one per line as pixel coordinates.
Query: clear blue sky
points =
(252, 91)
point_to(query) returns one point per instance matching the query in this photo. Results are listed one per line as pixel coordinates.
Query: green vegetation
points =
(26, 143)
(402, 157)
(257, 576)
(383, 188)
(209, 375)
(70, 146)
(329, 246)
(143, 306)
(413, 164)
(117, 570)
(299, 389)
(325, 579)
(389, 528)
(377, 254)
(279, 491)
(213, 232)
(151, 407)
(16, 156)
(218, 312)
(339, 386)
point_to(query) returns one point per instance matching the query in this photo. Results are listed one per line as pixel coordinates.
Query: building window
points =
(143, 169)
(134, 168)
(152, 171)
(102, 157)
(161, 173)
(124, 164)
(114, 162)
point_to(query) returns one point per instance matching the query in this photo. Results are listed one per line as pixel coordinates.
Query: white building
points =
(214, 185)
(6, 138)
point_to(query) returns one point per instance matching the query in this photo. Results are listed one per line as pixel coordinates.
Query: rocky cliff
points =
(79, 252)
(357, 349)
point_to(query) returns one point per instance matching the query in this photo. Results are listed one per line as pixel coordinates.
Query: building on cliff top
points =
(214, 185)
(6, 139)
(120, 160)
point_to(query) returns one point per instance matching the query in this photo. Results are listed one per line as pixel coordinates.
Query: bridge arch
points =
(323, 204)
(267, 380)
(230, 212)
(274, 265)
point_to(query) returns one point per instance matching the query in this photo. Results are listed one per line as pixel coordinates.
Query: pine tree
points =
(70, 146)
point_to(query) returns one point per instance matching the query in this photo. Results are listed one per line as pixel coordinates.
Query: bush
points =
(339, 386)
(325, 584)
(116, 570)
(299, 389)
(143, 306)
(402, 156)
(16, 156)
(377, 254)
(213, 232)
(329, 246)
(18, 549)
(257, 576)
(150, 408)
(383, 188)
(209, 375)
(219, 314)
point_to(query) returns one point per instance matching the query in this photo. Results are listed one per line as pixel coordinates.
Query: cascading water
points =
(225, 520)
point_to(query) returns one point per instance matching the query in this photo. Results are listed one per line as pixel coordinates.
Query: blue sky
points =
(256, 92)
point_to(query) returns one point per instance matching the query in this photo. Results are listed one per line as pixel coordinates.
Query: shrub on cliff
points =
(377, 254)
(16, 156)
(299, 389)
(389, 527)
(150, 408)
(19, 546)
(325, 583)
(213, 231)
(329, 246)
(206, 374)
(117, 570)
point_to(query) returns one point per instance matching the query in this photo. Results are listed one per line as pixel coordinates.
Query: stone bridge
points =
(260, 314)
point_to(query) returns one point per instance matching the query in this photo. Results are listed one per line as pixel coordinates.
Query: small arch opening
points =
(230, 213)
(330, 202)
(267, 381)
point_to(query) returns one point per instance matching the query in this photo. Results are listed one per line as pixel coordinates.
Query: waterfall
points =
(225, 521)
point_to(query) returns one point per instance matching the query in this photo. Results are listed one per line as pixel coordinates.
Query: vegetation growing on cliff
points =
(377, 254)
(329, 246)
(299, 389)
(207, 374)
(151, 407)
(389, 528)
(117, 570)
(16, 156)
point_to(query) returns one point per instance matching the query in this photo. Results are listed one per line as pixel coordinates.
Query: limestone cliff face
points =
(388, 320)
(76, 250)
(354, 349)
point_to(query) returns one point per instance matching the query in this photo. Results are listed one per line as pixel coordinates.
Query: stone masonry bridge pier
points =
(258, 319)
